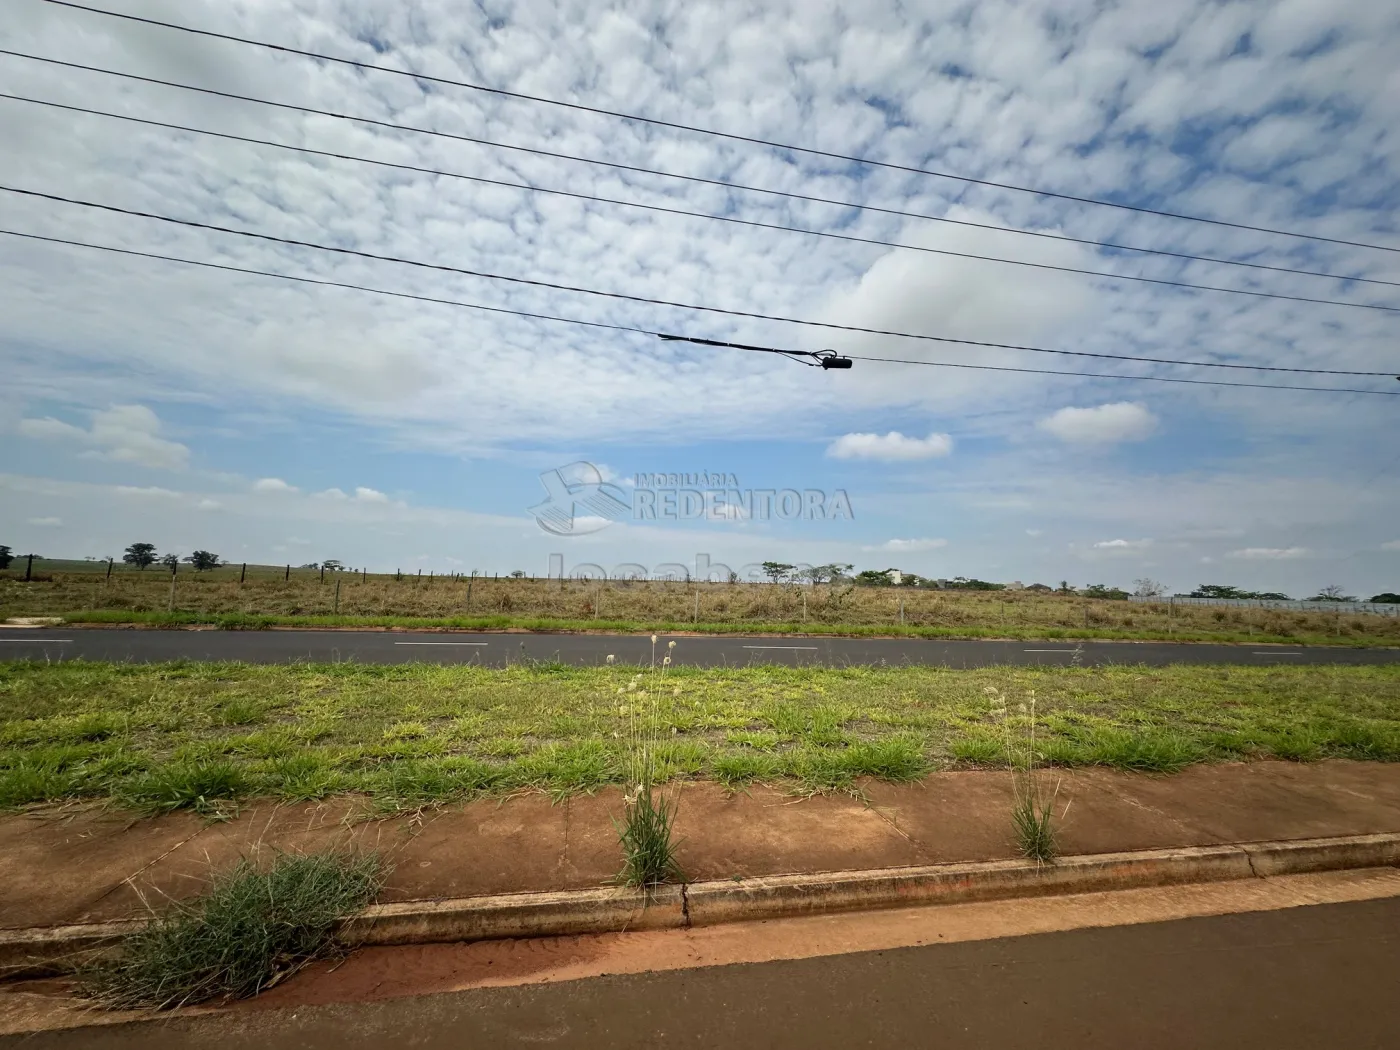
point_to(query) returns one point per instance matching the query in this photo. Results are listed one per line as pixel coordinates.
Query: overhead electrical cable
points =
(705, 215)
(636, 169)
(324, 282)
(730, 136)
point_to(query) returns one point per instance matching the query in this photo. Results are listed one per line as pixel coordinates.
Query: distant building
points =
(896, 577)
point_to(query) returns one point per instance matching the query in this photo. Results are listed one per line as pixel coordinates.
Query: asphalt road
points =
(1304, 978)
(382, 647)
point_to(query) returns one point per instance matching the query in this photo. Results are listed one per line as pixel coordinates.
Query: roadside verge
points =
(60, 949)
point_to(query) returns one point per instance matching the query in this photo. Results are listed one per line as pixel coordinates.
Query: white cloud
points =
(893, 447)
(1269, 553)
(272, 485)
(908, 546)
(1101, 425)
(145, 492)
(122, 433)
(51, 522)
(209, 504)
(50, 429)
(1392, 545)
(335, 494)
(365, 495)
(1122, 544)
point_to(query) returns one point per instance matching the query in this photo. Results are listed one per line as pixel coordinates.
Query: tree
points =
(777, 571)
(1065, 588)
(1217, 590)
(171, 562)
(825, 573)
(962, 583)
(1332, 593)
(1387, 598)
(6, 556)
(141, 555)
(518, 574)
(203, 561)
(1148, 588)
(1100, 590)
(874, 578)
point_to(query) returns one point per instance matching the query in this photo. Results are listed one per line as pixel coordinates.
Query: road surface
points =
(499, 650)
(1295, 979)
(495, 650)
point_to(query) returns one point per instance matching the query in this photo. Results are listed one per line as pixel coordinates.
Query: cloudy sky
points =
(276, 421)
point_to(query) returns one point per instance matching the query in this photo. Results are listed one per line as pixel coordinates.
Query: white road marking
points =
(38, 641)
(442, 643)
(1049, 650)
(813, 648)
(1278, 654)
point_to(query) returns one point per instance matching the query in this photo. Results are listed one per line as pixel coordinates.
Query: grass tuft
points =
(250, 931)
(648, 846)
(1033, 821)
(201, 786)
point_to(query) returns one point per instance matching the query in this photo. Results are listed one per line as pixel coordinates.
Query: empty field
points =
(133, 596)
(165, 736)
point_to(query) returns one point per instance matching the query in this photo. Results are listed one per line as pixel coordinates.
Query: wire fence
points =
(1373, 608)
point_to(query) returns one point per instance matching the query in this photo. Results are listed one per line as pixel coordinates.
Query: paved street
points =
(380, 647)
(1304, 978)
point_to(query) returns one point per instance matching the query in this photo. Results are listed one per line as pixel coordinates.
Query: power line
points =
(731, 136)
(324, 282)
(1044, 371)
(753, 223)
(638, 169)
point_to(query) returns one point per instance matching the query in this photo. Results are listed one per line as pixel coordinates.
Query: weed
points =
(200, 786)
(250, 931)
(734, 769)
(1032, 812)
(646, 832)
(26, 782)
(981, 750)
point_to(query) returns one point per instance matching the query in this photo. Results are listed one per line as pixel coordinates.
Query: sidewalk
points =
(89, 864)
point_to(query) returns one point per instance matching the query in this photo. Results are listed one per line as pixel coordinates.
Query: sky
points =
(274, 421)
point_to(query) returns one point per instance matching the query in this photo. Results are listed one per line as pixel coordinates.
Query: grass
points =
(252, 929)
(200, 736)
(266, 600)
(1033, 809)
(646, 831)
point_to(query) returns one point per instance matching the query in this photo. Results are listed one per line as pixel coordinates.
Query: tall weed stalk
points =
(647, 829)
(1033, 807)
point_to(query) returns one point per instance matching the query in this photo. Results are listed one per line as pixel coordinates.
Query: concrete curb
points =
(49, 950)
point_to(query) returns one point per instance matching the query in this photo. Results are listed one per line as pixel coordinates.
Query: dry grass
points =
(539, 604)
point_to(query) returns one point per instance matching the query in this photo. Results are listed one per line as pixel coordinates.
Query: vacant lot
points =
(166, 736)
(303, 598)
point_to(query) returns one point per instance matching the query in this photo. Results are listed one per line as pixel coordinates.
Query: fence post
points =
(696, 618)
(804, 606)
(170, 602)
(243, 574)
(29, 569)
(323, 573)
(901, 608)
(287, 575)
(336, 610)
(1086, 616)
(109, 567)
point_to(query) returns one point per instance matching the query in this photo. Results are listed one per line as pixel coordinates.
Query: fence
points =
(1373, 608)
